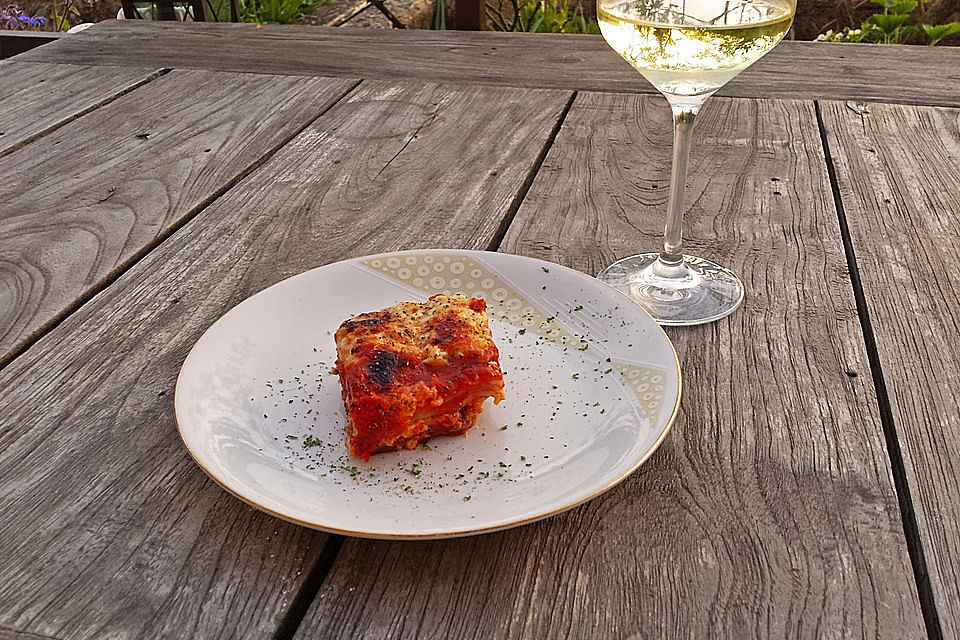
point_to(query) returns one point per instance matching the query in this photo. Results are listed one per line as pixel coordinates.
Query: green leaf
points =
(440, 16)
(901, 7)
(938, 32)
(543, 16)
(888, 24)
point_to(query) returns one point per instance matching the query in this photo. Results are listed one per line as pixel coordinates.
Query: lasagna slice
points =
(414, 371)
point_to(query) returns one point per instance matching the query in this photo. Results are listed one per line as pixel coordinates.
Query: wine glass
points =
(687, 49)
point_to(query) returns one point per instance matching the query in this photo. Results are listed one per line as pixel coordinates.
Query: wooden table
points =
(155, 175)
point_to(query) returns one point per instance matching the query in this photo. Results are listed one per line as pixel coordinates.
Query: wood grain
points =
(107, 527)
(770, 511)
(10, 634)
(83, 202)
(806, 70)
(898, 170)
(37, 98)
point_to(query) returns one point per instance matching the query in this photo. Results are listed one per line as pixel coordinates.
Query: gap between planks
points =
(310, 588)
(531, 175)
(908, 515)
(79, 114)
(121, 268)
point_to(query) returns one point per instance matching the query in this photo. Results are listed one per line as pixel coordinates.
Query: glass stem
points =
(670, 263)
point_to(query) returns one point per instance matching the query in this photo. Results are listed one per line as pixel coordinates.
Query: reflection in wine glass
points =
(687, 50)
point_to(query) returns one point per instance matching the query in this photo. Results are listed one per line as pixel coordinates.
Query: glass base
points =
(690, 292)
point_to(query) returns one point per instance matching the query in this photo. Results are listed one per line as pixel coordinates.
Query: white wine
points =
(693, 47)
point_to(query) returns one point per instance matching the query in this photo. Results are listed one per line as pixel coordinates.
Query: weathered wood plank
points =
(10, 634)
(37, 98)
(898, 170)
(805, 70)
(80, 204)
(770, 511)
(107, 527)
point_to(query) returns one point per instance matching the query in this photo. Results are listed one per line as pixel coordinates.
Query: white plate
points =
(592, 386)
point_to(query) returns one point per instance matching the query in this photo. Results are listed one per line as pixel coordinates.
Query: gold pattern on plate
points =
(647, 385)
(449, 275)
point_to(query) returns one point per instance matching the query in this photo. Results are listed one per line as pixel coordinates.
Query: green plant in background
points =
(938, 32)
(890, 27)
(62, 17)
(218, 11)
(48, 16)
(890, 23)
(540, 16)
(276, 11)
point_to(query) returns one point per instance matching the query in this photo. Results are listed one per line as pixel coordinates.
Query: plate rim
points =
(445, 534)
